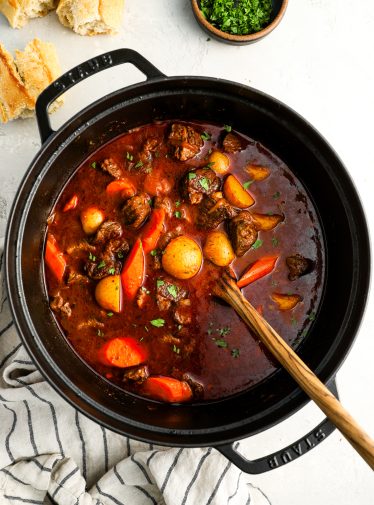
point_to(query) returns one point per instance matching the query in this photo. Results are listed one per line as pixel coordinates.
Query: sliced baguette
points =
(96, 17)
(18, 12)
(22, 79)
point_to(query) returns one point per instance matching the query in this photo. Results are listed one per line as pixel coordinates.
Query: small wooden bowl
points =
(279, 8)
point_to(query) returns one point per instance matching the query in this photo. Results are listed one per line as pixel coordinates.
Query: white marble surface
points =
(318, 61)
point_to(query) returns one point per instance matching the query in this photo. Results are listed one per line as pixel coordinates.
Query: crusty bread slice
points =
(91, 17)
(22, 79)
(18, 12)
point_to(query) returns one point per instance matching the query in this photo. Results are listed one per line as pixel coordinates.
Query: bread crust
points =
(18, 12)
(23, 79)
(91, 17)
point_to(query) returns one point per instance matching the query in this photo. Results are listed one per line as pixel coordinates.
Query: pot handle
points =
(285, 455)
(80, 73)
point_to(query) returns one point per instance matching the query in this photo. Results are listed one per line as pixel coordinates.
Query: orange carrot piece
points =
(71, 204)
(124, 185)
(153, 229)
(259, 269)
(122, 352)
(54, 258)
(132, 275)
(167, 389)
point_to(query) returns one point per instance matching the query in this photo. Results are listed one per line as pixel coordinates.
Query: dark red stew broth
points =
(175, 327)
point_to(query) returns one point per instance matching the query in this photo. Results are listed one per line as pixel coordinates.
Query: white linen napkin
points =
(52, 454)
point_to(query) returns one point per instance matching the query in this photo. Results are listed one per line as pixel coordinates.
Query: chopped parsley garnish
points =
(293, 320)
(154, 252)
(110, 314)
(120, 254)
(94, 164)
(172, 290)
(247, 184)
(224, 331)
(176, 349)
(129, 156)
(177, 203)
(274, 283)
(100, 333)
(101, 264)
(159, 283)
(235, 353)
(312, 316)
(210, 331)
(146, 329)
(210, 164)
(238, 18)
(177, 214)
(112, 271)
(91, 257)
(257, 244)
(206, 136)
(191, 176)
(227, 127)
(276, 195)
(221, 343)
(270, 213)
(274, 241)
(159, 323)
(138, 164)
(204, 183)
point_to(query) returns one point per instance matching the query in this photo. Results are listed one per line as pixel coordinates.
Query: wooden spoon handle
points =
(227, 289)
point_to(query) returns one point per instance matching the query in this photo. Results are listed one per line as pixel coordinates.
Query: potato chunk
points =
(220, 162)
(218, 249)
(265, 222)
(286, 302)
(236, 194)
(182, 258)
(108, 293)
(257, 173)
(91, 219)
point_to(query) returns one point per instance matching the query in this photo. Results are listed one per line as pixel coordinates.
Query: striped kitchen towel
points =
(52, 454)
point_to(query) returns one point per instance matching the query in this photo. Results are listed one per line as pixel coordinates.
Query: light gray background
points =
(320, 62)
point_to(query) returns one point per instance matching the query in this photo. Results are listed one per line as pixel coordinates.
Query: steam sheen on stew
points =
(140, 233)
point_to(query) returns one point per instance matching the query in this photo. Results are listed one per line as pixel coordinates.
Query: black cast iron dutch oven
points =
(257, 115)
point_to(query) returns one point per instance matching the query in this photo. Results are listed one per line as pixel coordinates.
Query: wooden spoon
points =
(226, 288)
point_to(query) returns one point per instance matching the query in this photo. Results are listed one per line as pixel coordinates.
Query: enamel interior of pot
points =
(312, 161)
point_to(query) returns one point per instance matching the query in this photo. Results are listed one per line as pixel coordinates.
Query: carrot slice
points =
(132, 275)
(167, 389)
(153, 229)
(54, 258)
(122, 352)
(259, 269)
(71, 204)
(286, 302)
(124, 185)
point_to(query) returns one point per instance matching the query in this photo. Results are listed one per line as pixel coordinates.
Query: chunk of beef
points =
(168, 292)
(107, 231)
(113, 169)
(77, 247)
(242, 232)
(183, 313)
(77, 278)
(145, 157)
(185, 141)
(108, 261)
(91, 323)
(198, 183)
(59, 305)
(164, 202)
(170, 339)
(298, 266)
(138, 375)
(197, 387)
(231, 143)
(213, 211)
(136, 210)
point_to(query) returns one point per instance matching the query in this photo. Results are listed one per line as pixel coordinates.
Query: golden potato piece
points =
(286, 302)
(257, 173)
(218, 249)
(182, 258)
(91, 219)
(221, 162)
(236, 194)
(108, 293)
(266, 222)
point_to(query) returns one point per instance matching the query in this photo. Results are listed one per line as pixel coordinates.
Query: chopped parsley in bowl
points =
(238, 21)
